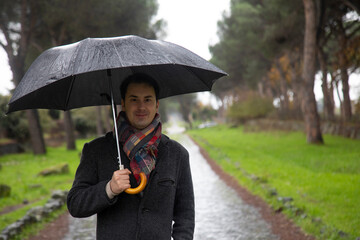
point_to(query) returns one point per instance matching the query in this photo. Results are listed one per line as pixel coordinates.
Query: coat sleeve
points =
(184, 213)
(87, 195)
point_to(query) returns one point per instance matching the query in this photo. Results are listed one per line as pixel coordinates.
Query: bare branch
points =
(2, 45)
(352, 6)
(7, 47)
(37, 46)
(354, 32)
(62, 34)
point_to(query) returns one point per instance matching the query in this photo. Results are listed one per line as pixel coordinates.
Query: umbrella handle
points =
(138, 189)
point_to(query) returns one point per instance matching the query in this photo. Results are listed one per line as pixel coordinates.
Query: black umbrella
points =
(85, 73)
(75, 75)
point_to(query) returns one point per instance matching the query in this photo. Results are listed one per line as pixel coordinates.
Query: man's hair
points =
(139, 78)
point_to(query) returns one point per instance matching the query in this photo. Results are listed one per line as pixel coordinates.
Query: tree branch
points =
(352, 6)
(62, 34)
(8, 47)
(354, 32)
(37, 46)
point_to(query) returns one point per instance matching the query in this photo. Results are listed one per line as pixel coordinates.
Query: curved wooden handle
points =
(138, 189)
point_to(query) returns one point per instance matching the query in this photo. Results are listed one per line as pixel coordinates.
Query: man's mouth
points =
(140, 115)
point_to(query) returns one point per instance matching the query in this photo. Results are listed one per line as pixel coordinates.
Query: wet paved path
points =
(220, 213)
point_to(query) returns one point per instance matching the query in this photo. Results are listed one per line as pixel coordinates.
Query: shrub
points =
(84, 127)
(13, 125)
(251, 108)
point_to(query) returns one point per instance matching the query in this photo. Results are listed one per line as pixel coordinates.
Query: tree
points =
(337, 36)
(345, 32)
(17, 23)
(186, 103)
(312, 121)
(44, 24)
(338, 31)
(62, 25)
(324, 37)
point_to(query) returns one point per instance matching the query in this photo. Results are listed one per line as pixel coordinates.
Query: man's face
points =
(140, 105)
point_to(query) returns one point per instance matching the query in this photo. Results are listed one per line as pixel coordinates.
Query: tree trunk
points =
(222, 110)
(186, 102)
(296, 89)
(340, 100)
(331, 90)
(347, 114)
(99, 123)
(17, 65)
(36, 133)
(69, 131)
(284, 97)
(311, 117)
(108, 117)
(328, 104)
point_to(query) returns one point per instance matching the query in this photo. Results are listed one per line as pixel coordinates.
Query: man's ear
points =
(157, 105)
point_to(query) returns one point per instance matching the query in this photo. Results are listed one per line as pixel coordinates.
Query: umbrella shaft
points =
(114, 116)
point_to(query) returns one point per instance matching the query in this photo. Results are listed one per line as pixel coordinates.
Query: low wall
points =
(35, 215)
(345, 130)
(11, 147)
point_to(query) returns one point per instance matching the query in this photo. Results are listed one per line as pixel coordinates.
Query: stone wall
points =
(345, 130)
(35, 214)
(11, 147)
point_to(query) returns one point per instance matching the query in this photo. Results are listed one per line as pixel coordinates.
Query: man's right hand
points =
(120, 181)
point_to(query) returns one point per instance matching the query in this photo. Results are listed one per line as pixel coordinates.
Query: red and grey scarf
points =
(141, 147)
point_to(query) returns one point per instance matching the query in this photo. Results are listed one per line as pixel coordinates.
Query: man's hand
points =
(120, 181)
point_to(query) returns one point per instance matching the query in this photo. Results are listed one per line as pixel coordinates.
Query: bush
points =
(84, 127)
(204, 113)
(251, 108)
(54, 114)
(84, 121)
(46, 121)
(14, 125)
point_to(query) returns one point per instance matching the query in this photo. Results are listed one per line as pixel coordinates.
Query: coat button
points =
(145, 210)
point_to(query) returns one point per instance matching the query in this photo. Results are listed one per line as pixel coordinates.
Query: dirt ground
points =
(280, 225)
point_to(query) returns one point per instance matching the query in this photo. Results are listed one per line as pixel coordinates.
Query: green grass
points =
(323, 180)
(20, 172)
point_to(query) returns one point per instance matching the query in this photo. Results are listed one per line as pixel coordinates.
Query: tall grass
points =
(322, 180)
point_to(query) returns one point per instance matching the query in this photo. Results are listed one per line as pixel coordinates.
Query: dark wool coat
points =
(167, 197)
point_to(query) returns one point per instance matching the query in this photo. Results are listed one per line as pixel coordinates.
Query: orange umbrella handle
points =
(138, 189)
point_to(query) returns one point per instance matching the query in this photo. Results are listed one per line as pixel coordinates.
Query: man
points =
(165, 208)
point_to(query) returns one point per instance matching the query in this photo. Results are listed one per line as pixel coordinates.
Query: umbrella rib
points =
(195, 74)
(69, 91)
(117, 53)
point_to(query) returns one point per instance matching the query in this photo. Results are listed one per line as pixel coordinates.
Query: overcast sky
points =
(193, 23)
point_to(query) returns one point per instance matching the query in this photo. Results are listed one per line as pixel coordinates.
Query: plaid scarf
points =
(140, 145)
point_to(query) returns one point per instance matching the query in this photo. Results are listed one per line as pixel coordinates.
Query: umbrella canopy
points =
(76, 75)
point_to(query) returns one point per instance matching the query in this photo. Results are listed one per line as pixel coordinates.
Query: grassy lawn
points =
(323, 181)
(20, 172)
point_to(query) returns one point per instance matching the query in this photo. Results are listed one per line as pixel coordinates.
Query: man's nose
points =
(141, 104)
